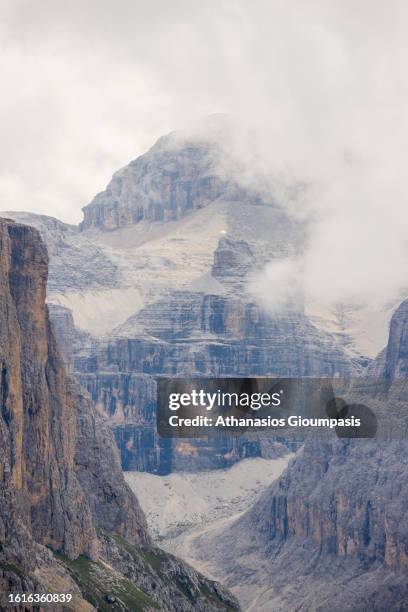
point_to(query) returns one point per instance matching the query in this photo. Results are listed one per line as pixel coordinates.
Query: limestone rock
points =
(61, 480)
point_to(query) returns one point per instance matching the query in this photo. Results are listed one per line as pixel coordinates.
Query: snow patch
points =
(364, 328)
(98, 312)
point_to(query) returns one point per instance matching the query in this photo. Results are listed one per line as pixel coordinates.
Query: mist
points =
(320, 87)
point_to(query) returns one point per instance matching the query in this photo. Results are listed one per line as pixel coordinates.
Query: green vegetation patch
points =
(105, 588)
(154, 557)
(10, 567)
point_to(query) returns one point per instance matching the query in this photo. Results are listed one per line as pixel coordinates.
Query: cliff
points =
(197, 334)
(396, 354)
(187, 180)
(39, 426)
(331, 533)
(159, 281)
(62, 486)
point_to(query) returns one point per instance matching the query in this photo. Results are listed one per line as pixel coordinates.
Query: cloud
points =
(322, 87)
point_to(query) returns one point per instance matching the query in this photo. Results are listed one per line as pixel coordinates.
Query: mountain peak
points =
(179, 174)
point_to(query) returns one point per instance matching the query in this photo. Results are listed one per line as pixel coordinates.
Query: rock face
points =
(70, 338)
(38, 420)
(73, 264)
(59, 465)
(196, 334)
(337, 516)
(396, 355)
(98, 470)
(329, 535)
(158, 280)
(185, 178)
(344, 516)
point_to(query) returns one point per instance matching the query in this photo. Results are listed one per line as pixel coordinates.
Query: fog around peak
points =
(318, 92)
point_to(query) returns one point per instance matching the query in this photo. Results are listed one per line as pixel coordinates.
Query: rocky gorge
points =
(157, 281)
(331, 532)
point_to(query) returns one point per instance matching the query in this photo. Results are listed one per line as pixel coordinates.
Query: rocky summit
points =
(68, 521)
(157, 281)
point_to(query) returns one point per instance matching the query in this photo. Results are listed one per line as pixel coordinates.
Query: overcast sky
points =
(88, 85)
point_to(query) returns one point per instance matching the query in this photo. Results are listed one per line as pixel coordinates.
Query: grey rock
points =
(396, 357)
(174, 241)
(331, 533)
(184, 178)
(59, 467)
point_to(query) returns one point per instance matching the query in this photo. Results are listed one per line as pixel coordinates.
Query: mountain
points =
(163, 185)
(158, 280)
(68, 521)
(331, 532)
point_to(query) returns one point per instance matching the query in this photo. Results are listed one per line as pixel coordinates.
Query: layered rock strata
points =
(331, 533)
(62, 484)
